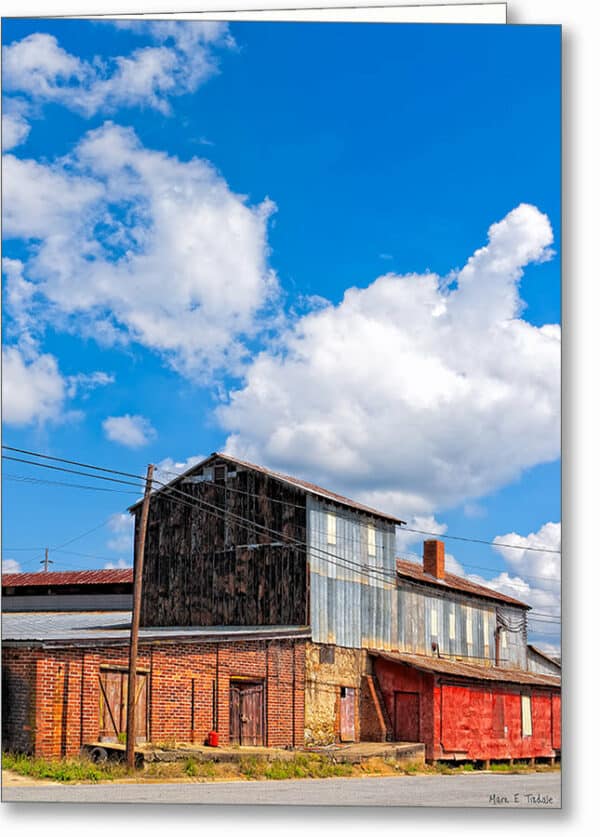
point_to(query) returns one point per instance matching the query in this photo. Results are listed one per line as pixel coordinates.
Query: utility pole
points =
(135, 619)
(46, 561)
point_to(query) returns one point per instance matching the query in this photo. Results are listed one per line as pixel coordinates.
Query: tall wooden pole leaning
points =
(135, 620)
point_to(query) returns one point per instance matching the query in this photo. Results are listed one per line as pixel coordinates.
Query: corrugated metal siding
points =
(538, 664)
(63, 603)
(354, 610)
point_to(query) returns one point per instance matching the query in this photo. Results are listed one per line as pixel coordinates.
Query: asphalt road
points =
(482, 790)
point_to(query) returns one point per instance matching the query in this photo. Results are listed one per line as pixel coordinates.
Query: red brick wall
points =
(52, 697)
(18, 693)
(374, 724)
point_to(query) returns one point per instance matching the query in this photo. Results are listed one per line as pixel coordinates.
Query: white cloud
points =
(9, 565)
(33, 389)
(84, 382)
(407, 542)
(15, 130)
(167, 469)
(182, 57)
(131, 245)
(537, 579)
(118, 565)
(131, 431)
(526, 557)
(121, 525)
(415, 393)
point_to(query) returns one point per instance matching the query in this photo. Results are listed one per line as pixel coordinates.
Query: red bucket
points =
(213, 739)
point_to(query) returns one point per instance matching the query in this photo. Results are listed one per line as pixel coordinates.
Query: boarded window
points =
(469, 626)
(331, 528)
(220, 473)
(371, 542)
(434, 620)
(526, 715)
(452, 625)
(327, 654)
(486, 632)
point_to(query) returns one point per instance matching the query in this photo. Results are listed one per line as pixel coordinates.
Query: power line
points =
(170, 490)
(67, 470)
(487, 569)
(73, 462)
(477, 540)
(34, 481)
(165, 485)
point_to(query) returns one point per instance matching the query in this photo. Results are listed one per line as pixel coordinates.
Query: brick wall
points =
(18, 699)
(374, 721)
(51, 697)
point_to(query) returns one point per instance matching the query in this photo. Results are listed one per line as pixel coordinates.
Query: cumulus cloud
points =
(416, 393)
(131, 431)
(9, 565)
(537, 578)
(121, 525)
(15, 130)
(33, 389)
(132, 245)
(168, 468)
(182, 56)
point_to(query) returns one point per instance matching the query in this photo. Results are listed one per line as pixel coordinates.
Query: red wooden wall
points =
(469, 720)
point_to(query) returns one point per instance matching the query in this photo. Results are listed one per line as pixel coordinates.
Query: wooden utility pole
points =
(135, 620)
(46, 561)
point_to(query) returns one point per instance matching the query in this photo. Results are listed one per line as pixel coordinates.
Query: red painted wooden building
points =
(463, 711)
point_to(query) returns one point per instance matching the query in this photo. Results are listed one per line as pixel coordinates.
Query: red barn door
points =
(406, 716)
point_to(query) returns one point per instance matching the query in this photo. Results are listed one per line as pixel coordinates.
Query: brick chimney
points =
(433, 558)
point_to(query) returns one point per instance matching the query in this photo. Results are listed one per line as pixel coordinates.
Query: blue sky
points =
(275, 239)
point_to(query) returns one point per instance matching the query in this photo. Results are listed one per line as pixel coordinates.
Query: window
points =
(469, 626)
(526, 716)
(327, 654)
(220, 472)
(331, 528)
(371, 542)
(452, 625)
(434, 621)
(486, 633)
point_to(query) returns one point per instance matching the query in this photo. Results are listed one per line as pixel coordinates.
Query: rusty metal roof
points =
(440, 665)
(408, 569)
(57, 579)
(298, 483)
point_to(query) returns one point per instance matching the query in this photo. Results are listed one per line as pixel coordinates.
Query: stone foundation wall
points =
(328, 669)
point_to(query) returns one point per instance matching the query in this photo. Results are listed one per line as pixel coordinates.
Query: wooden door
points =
(246, 714)
(406, 716)
(113, 706)
(347, 709)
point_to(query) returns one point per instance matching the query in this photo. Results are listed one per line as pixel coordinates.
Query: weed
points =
(62, 770)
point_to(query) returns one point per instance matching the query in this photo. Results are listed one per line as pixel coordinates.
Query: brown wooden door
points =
(246, 714)
(347, 708)
(406, 716)
(113, 706)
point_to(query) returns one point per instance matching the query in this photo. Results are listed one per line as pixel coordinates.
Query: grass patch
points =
(62, 770)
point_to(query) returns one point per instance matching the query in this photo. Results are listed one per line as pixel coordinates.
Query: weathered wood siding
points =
(204, 565)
